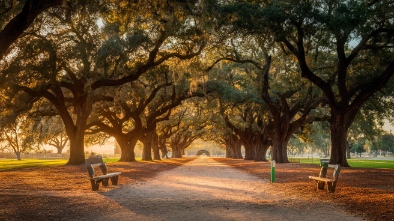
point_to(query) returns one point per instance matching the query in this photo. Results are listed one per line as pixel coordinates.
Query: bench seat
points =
(322, 180)
(105, 177)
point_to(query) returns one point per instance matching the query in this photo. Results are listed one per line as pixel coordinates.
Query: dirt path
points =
(204, 189)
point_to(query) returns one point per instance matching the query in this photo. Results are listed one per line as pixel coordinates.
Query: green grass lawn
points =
(10, 164)
(361, 163)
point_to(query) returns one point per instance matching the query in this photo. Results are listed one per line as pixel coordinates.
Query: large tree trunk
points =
(147, 149)
(339, 129)
(163, 149)
(155, 146)
(229, 148)
(128, 154)
(279, 151)
(237, 150)
(259, 155)
(176, 152)
(261, 145)
(76, 133)
(229, 151)
(164, 153)
(233, 148)
(127, 148)
(156, 152)
(248, 142)
(161, 142)
(77, 150)
(261, 151)
(249, 152)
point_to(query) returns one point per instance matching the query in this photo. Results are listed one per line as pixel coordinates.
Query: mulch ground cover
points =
(64, 192)
(368, 193)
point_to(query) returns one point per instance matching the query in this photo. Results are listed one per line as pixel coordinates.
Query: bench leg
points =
(114, 180)
(320, 185)
(331, 186)
(95, 186)
(105, 181)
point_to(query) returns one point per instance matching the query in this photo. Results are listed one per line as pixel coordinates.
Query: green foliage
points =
(135, 40)
(320, 137)
(65, 52)
(112, 47)
(369, 120)
(358, 147)
(228, 93)
(384, 143)
(116, 47)
(295, 146)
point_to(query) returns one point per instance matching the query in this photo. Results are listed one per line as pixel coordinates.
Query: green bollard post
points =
(273, 165)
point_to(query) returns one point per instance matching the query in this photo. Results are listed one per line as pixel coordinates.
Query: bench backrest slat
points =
(336, 167)
(95, 161)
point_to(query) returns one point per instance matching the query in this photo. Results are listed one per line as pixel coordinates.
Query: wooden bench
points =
(96, 180)
(322, 179)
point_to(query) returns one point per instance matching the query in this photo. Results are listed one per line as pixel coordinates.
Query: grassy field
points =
(359, 163)
(11, 164)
